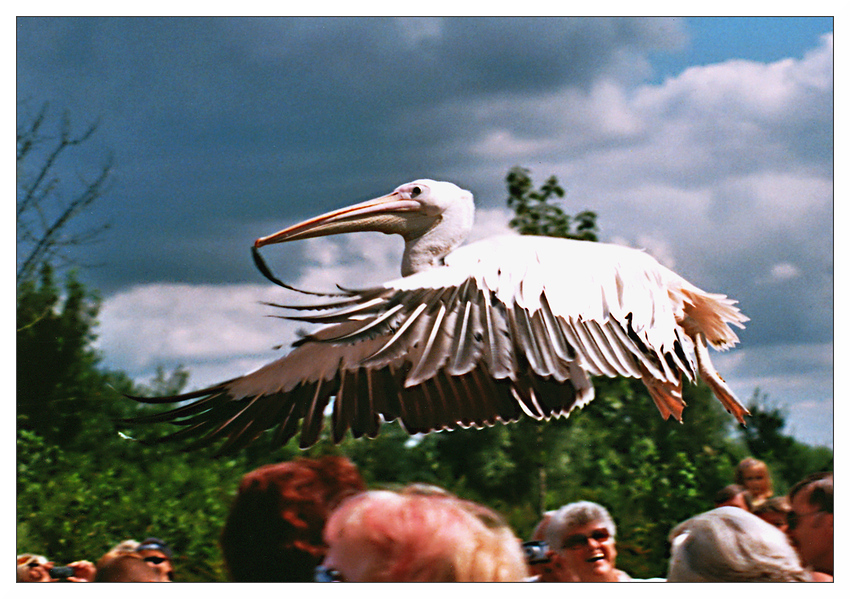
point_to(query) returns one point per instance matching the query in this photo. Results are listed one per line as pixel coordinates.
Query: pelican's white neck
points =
(427, 250)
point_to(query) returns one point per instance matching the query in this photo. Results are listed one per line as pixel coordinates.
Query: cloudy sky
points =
(706, 141)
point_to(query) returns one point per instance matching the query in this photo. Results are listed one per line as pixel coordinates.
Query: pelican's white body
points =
(474, 334)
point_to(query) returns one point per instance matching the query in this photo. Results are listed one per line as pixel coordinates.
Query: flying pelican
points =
(469, 335)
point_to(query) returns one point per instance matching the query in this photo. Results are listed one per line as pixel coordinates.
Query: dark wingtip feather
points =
(180, 396)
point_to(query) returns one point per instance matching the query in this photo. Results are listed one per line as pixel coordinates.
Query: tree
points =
(48, 205)
(56, 377)
(535, 215)
(788, 459)
(58, 381)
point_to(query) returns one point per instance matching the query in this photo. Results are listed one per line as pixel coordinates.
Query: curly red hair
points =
(274, 530)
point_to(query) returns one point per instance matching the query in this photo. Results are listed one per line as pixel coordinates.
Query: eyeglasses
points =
(324, 574)
(794, 518)
(577, 541)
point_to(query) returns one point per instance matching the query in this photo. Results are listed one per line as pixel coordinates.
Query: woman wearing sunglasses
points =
(583, 549)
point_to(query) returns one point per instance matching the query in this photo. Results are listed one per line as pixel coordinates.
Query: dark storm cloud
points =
(217, 122)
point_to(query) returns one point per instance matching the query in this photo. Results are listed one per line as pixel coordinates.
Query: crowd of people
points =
(315, 520)
(128, 561)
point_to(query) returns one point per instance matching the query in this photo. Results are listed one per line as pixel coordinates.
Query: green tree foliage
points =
(534, 214)
(650, 473)
(56, 376)
(788, 460)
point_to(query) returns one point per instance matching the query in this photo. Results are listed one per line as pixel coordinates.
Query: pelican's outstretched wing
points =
(507, 326)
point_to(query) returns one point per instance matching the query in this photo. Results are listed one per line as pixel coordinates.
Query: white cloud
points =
(796, 377)
(502, 144)
(490, 222)
(172, 324)
(784, 272)
(737, 90)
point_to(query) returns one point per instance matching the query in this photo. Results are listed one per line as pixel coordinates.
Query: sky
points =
(707, 142)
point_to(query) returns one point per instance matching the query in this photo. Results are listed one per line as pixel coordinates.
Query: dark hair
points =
(777, 505)
(730, 491)
(274, 530)
(821, 493)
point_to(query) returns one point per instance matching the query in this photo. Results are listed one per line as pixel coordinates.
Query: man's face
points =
(160, 562)
(813, 533)
(589, 552)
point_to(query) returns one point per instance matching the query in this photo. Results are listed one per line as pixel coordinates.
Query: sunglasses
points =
(324, 574)
(794, 519)
(577, 541)
(155, 559)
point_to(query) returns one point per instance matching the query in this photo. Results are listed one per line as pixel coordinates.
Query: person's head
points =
(545, 570)
(735, 496)
(810, 521)
(127, 567)
(156, 553)
(730, 545)
(539, 532)
(32, 568)
(383, 536)
(754, 476)
(581, 536)
(274, 530)
(775, 511)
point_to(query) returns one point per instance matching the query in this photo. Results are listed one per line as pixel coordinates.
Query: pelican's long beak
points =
(387, 214)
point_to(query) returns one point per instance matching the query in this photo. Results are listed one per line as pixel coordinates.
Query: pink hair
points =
(419, 538)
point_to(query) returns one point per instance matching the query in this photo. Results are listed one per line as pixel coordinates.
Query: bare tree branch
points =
(44, 215)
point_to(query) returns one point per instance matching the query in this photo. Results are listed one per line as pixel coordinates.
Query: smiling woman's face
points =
(589, 552)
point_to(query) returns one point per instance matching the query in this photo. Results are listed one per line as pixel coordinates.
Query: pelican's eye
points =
(416, 191)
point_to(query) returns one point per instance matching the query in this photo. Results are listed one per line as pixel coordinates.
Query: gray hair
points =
(574, 515)
(729, 544)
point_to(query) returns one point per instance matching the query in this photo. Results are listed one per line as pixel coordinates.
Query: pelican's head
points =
(434, 217)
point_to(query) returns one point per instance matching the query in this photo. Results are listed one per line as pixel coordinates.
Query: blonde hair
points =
(425, 538)
(747, 464)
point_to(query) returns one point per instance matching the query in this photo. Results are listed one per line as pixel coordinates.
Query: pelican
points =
(468, 336)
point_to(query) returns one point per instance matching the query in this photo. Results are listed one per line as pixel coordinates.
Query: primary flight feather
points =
(468, 336)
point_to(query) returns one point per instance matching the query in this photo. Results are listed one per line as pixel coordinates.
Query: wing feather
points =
(292, 416)
(464, 344)
(505, 328)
